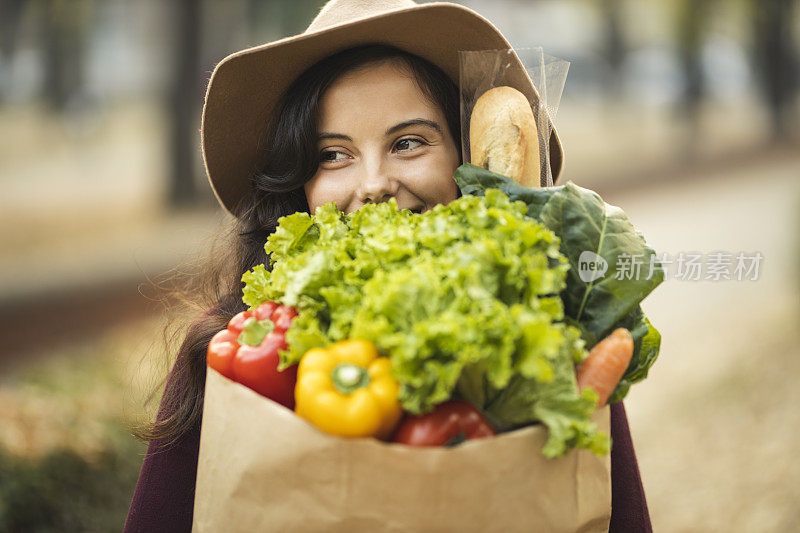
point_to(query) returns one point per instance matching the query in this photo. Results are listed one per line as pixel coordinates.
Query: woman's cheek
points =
(324, 188)
(431, 179)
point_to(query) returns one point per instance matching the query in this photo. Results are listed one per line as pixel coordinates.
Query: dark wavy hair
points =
(291, 159)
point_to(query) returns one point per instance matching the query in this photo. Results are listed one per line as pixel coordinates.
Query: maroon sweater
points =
(164, 496)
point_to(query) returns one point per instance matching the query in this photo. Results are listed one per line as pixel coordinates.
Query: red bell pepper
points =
(247, 351)
(449, 423)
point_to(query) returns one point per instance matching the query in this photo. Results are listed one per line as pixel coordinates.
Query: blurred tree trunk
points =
(614, 48)
(692, 18)
(10, 14)
(66, 28)
(183, 101)
(776, 61)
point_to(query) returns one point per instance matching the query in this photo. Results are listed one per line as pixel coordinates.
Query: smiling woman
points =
(290, 126)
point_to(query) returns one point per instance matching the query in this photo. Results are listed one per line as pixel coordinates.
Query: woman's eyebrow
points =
(394, 129)
(340, 136)
(414, 122)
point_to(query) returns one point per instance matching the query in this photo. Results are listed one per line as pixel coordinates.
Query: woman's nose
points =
(376, 184)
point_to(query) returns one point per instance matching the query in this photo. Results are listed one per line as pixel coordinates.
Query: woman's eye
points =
(404, 145)
(331, 156)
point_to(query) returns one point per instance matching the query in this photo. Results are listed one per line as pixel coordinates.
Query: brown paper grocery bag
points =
(262, 468)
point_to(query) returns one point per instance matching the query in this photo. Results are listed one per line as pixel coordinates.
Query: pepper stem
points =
(347, 377)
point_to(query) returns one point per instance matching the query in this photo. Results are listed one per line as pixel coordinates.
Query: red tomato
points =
(221, 351)
(449, 422)
(283, 316)
(237, 322)
(265, 310)
(257, 367)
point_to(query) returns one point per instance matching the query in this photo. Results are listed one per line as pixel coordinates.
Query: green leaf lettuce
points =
(464, 299)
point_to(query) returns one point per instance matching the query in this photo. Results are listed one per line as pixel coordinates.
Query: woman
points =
(365, 124)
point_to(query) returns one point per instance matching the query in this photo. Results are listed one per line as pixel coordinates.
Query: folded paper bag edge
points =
(261, 464)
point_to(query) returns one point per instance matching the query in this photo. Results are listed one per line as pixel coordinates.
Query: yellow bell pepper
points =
(348, 390)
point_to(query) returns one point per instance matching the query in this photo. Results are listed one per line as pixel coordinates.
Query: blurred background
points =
(686, 113)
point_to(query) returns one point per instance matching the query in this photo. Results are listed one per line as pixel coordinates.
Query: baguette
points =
(503, 137)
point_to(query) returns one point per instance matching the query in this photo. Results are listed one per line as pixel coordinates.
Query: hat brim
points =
(245, 86)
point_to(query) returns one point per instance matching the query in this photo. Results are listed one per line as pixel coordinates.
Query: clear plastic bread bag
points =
(539, 76)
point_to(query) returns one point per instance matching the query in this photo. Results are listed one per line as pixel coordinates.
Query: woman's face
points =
(381, 138)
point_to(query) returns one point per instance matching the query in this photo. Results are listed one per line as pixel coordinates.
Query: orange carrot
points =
(606, 364)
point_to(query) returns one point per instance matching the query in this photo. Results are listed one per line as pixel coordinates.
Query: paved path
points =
(716, 424)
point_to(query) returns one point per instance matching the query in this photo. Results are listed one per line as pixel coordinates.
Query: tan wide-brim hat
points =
(246, 85)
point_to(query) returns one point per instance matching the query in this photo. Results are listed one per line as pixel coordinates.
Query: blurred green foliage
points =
(68, 459)
(65, 492)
